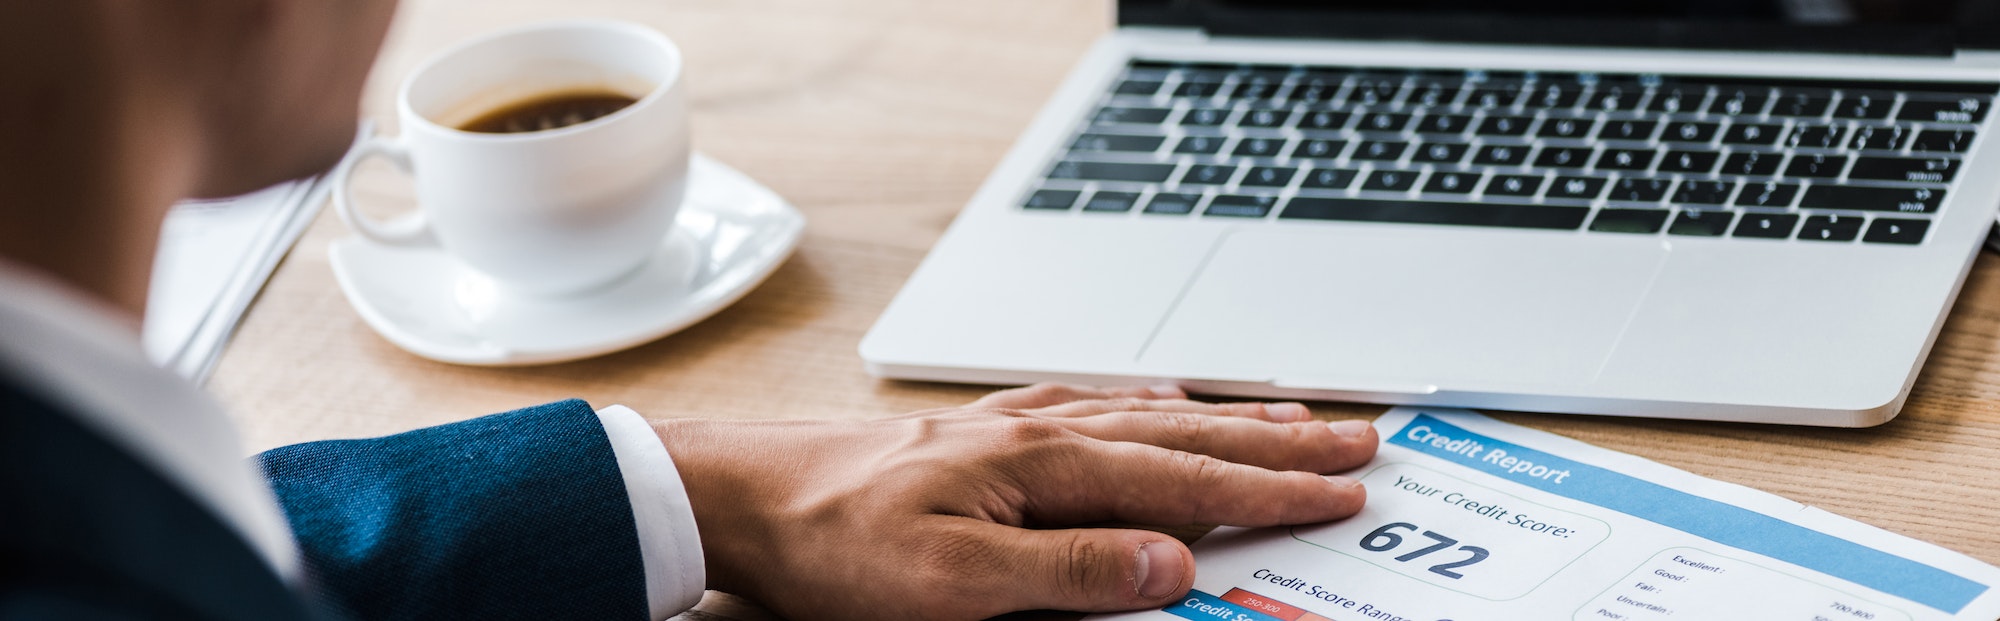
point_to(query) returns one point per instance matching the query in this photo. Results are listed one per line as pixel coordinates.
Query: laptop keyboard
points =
(1815, 160)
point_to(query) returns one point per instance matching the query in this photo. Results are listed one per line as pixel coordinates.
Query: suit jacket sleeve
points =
(515, 515)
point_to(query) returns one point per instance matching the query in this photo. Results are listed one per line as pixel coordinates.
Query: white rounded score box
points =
(1519, 558)
(1730, 589)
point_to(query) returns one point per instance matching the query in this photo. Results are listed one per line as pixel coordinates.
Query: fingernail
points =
(1342, 481)
(1349, 428)
(1159, 573)
(1167, 391)
(1287, 412)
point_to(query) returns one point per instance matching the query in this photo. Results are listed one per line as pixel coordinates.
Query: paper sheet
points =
(214, 257)
(1472, 519)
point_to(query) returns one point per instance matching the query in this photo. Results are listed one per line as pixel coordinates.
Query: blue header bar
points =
(1715, 521)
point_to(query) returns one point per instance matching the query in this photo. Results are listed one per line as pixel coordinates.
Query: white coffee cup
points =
(546, 213)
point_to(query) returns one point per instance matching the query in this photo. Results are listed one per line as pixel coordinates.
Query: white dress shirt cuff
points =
(669, 544)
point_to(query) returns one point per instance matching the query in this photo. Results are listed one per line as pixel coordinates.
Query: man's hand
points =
(965, 513)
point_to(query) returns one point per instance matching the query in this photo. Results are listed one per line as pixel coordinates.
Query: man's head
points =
(112, 109)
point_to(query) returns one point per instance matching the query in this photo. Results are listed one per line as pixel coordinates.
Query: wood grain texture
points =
(879, 118)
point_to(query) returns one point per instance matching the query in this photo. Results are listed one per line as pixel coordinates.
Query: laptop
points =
(1740, 211)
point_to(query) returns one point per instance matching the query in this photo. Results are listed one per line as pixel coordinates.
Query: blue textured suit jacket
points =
(515, 515)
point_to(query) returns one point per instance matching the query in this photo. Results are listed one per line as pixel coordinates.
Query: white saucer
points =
(730, 234)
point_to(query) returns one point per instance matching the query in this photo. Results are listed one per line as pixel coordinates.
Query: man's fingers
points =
(1091, 481)
(1308, 446)
(1085, 570)
(1049, 393)
(1280, 412)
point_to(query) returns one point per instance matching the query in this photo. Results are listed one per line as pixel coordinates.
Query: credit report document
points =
(1472, 519)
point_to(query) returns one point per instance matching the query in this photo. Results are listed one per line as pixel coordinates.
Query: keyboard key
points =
(1758, 134)
(1514, 185)
(1646, 221)
(1258, 87)
(1913, 169)
(1451, 183)
(1864, 106)
(1640, 190)
(1703, 192)
(1208, 174)
(1740, 101)
(1382, 122)
(1690, 131)
(1205, 117)
(1754, 163)
(1830, 228)
(1111, 201)
(1905, 200)
(1390, 181)
(1240, 206)
(1323, 121)
(1819, 166)
(1259, 147)
(1628, 130)
(1376, 89)
(1566, 128)
(1381, 150)
(1563, 157)
(1625, 159)
(1501, 155)
(1877, 138)
(1677, 98)
(1317, 87)
(1108, 171)
(1767, 194)
(1803, 104)
(1961, 110)
(1578, 188)
(1138, 87)
(1200, 145)
(1319, 149)
(1265, 118)
(1766, 225)
(1441, 152)
(1502, 125)
(1328, 179)
(1117, 142)
(1554, 94)
(1133, 116)
(1943, 141)
(1689, 161)
(1493, 96)
(1173, 203)
(1436, 212)
(1052, 199)
(1615, 96)
(1444, 124)
(1896, 231)
(1207, 72)
(1434, 92)
(1269, 176)
(1197, 89)
(1815, 136)
(1701, 223)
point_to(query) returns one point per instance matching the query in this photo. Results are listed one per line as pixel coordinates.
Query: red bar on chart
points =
(1264, 605)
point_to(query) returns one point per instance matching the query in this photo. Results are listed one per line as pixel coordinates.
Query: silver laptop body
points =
(1221, 198)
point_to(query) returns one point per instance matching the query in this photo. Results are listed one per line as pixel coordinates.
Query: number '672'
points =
(1387, 538)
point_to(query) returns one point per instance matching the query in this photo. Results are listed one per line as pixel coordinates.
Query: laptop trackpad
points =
(1367, 307)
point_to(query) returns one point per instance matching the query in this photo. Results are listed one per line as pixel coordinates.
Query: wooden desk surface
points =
(878, 119)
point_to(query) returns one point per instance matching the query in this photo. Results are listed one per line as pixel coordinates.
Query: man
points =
(122, 493)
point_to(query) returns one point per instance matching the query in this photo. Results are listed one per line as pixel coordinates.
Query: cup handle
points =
(410, 230)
